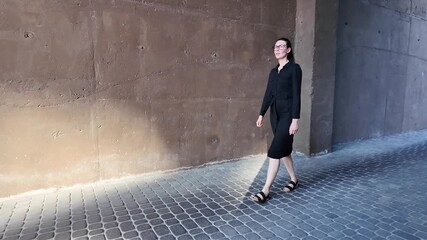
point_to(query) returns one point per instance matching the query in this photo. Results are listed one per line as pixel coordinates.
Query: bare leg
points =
(273, 168)
(289, 164)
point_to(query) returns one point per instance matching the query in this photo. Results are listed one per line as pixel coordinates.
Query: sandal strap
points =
(262, 194)
(294, 184)
(258, 198)
(263, 199)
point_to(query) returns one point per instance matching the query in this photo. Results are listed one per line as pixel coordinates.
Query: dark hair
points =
(289, 45)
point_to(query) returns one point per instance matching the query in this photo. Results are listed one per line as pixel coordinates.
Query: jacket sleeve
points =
(267, 98)
(296, 92)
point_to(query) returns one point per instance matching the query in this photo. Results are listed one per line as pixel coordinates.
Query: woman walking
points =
(283, 97)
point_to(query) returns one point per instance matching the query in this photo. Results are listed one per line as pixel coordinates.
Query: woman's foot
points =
(260, 197)
(291, 186)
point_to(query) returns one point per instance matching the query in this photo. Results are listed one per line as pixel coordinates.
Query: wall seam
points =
(94, 114)
(384, 50)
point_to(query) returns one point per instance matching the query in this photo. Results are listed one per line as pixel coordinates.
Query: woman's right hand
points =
(259, 121)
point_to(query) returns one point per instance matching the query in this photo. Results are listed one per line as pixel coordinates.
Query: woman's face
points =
(281, 50)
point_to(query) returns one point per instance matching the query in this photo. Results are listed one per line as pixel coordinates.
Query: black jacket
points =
(284, 90)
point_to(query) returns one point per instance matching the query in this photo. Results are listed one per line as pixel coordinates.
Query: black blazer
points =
(284, 89)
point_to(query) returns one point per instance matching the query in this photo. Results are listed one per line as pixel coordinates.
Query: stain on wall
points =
(94, 89)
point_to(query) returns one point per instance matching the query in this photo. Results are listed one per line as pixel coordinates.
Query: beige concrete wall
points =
(93, 90)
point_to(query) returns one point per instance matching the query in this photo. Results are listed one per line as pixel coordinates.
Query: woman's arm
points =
(267, 98)
(296, 92)
(296, 99)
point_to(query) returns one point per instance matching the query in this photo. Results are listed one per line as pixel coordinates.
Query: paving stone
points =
(167, 237)
(64, 229)
(143, 227)
(238, 238)
(109, 219)
(189, 224)
(258, 218)
(152, 216)
(148, 209)
(113, 233)
(30, 236)
(11, 238)
(201, 236)
(269, 224)
(202, 222)
(148, 235)
(349, 232)
(243, 229)
(191, 210)
(421, 235)
(79, 233)
(366, 232)
(280, 232)
(168, 216)
(220, 212)
(336, 235)
(324, 228)
(95, 226)
(122, 213)
(252, 236)
(195, 231)
(227, 217)
(185, 237)
(360, 237)
(47, 224)
(266, 234)
(94, 219)
(130, 235)
(46, 230)
(161, 230)
(111, 225)
(170, 222)
(405, 235)
(228, 231)
(321, 235)
(96, 232)
(207, 212)
(79, 217)
(12, 232)
(137, 217)
(217, 235)
(79, 225)
(63, 236)
(45, 236)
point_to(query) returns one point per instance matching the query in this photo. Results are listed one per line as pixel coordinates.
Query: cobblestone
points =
(356, 192)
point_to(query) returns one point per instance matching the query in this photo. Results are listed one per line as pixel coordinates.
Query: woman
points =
(283, 97)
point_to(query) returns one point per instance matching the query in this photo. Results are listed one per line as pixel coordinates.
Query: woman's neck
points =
(282, 62)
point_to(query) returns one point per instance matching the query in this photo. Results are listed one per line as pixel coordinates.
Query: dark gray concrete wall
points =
(99, 89)
(381, 80)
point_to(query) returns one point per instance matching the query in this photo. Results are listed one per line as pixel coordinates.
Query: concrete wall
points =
(96, 89)
(315, 41)
(381, 80)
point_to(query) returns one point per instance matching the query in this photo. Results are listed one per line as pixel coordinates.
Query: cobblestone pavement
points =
(374, 189)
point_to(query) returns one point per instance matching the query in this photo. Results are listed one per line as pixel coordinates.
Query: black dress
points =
(283, 97)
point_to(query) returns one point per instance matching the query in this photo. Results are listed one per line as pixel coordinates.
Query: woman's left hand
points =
(293, 129)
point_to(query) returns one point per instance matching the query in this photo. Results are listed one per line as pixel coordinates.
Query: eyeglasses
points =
(280, 47)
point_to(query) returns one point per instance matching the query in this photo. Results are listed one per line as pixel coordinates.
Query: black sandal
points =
(291, 186)
(261, 198)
